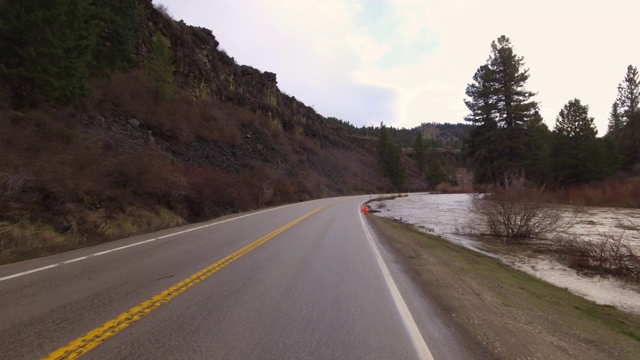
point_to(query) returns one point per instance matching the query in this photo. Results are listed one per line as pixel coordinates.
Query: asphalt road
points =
(319, 287)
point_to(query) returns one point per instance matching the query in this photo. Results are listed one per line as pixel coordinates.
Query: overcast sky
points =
(406, 62)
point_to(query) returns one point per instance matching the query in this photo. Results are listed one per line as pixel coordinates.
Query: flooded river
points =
(449, 216)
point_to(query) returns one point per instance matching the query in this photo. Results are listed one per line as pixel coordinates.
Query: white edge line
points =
(410, 324)
(135, 244)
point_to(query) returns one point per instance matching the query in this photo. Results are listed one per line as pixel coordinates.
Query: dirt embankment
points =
(514, 315)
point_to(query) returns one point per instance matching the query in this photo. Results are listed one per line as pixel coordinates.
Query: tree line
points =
(392, 140)
(428, 162)
(509, 133)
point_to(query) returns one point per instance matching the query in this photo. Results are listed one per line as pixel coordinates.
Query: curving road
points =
(303, 281)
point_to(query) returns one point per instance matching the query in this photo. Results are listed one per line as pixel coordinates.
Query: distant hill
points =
(443, 134)
(447, 135)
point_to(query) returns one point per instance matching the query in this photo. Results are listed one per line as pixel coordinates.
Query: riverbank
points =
(513, 315)
(450, 216)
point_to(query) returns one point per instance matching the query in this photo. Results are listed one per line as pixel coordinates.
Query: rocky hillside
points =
(446, 135)
(139, 152)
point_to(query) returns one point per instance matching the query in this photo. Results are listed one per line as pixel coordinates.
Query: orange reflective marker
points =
(365, 210)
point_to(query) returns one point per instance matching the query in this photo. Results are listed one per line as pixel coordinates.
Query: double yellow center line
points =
(95, 337)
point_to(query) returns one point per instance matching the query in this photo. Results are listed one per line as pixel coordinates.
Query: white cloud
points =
(413, 64)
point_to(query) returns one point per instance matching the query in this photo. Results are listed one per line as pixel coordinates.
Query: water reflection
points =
(449, 216)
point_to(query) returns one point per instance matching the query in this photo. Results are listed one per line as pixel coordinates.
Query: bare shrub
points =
(610, 254)
(213, 192)
(515, 210)
(12, 182)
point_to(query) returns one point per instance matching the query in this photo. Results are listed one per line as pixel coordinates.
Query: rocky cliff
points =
(124, 161)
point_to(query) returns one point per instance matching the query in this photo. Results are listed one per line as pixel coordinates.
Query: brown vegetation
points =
(515, 210)
(71, 178)
(611, 254)
(610, 193)
(122, 161)
(117, 165)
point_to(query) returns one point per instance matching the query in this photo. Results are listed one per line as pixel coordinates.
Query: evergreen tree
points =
(574, 121)
(508, 122)
(608, 155)
(420, 151)
(383, 141)
(615, 119)
(435, 170)
(482, 102)
(116, 22)
(480, 144)
(539, 155)
(159, 68)
(390, 156)
(629, 95)
(575, 144)
(629, 108)
(45, 49)
(513, 103)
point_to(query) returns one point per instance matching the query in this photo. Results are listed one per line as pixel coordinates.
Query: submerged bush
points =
(610, 254)
(515, 210)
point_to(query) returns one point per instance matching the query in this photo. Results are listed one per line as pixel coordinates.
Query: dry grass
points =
(25, 235)
(613, 193)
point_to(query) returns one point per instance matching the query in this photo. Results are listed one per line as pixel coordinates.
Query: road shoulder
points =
(507, 312)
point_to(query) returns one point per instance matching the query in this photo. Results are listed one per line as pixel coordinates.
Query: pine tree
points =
(608, 156)
(574, 121)
(482, 93)
(45, 49)
(116, 22)
(480, 143)
(615, 119)
(390, 156)
(480, 146)
(508, 121)
(420, 151)
(513, 103)
(575, 144)
(383, 141)
(159, 68)
(629, 94)
(435, 170)
(629, 107)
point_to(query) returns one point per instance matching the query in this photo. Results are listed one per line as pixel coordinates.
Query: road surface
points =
(303, 281)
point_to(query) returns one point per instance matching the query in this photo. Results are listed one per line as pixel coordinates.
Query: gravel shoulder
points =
(511, 314)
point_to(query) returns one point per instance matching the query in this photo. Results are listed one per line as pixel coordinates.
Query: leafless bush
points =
(610, 253)
(12, 182)
(515, 210)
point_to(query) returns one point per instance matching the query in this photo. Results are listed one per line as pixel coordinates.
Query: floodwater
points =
(449, 216)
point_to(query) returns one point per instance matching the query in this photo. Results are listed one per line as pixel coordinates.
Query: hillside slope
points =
(124, 161)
